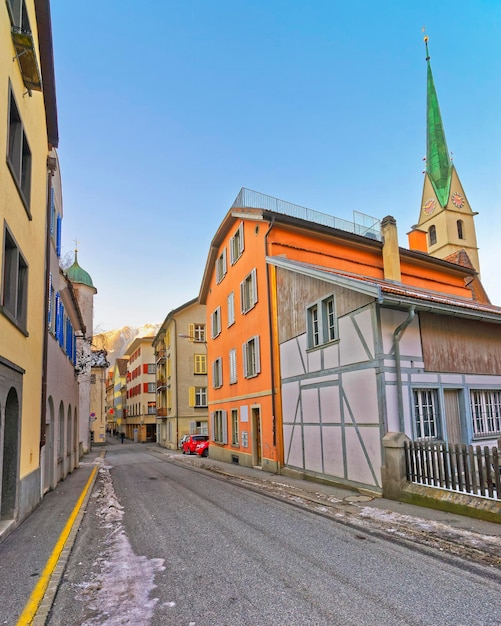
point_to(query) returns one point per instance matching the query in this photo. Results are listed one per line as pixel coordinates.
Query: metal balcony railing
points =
(362, 224)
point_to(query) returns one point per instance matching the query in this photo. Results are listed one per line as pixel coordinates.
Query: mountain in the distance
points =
(115, 342)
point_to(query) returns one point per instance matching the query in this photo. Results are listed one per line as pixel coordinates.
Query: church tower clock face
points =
(429, 206)
(457, 200)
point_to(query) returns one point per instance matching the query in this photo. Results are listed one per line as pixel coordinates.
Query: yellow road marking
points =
(37, 594)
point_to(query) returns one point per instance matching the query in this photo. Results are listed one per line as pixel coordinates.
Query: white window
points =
(152, 387)
(321, 327)
(221, 266)
(233, 366)
(234, 427)
(426, 413)
(486, 412)
(237, 244)
(248, 292)
(217, 373)
(152, 368)
(231, 308)
(197, 396)
(251, 358)
(215, 319)
(219, 427)
(197, 332)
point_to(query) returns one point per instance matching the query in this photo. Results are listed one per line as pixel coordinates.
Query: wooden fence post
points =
(393, 471)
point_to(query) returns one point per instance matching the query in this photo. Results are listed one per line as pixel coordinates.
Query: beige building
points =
(117, 394)
(140, 416)
(28, 132)
(98, 379)
(181, 374)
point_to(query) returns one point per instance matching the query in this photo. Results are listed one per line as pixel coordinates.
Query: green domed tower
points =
(78, 275)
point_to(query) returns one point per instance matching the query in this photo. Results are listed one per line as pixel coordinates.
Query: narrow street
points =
(164, 543)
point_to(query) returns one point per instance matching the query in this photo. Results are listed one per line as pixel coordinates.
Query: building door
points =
(256, 437)
(10, 455)
(452, 415)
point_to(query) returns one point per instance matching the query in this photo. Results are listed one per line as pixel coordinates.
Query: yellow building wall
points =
(25, 350)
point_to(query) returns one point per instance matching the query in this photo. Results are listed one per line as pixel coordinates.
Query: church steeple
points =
(446, 228)
(438, 162)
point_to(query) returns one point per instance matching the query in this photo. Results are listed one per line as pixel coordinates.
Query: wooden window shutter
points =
(191, 396)
(191, 331)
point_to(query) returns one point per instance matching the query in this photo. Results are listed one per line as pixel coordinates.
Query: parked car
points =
(203, 448)
(182, 440)
(190, 445)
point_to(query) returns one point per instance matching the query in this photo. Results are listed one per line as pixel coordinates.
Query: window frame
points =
(485, 413)
(427, 427)
(237, 244)
(217, 373)
(221, 266)
(219, 426)
(248, 292)
(235, 431)
(215, 322)
(14, 286)
(251, 357)
(321, 322)
(19, 155)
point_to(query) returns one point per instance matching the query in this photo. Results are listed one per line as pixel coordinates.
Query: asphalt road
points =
(165, 544)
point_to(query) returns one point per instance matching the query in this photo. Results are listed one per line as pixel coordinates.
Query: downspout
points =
(397, 335)
(277, 439)
(177, 383)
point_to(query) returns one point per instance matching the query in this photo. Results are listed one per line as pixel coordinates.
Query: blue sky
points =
(167, 108)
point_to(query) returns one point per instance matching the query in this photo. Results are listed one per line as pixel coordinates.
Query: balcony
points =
(162, 412)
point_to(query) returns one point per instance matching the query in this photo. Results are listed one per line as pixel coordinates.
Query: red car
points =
(203, 448)
(190, 445)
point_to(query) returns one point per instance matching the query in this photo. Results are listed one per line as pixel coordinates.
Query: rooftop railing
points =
(362, 224)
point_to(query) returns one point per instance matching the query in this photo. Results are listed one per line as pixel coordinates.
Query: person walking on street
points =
(122, 436)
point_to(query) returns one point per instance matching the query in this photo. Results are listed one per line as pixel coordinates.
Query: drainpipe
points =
(397, 335)
(277, 436)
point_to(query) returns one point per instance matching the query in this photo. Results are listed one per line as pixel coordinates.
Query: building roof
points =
(396, 294)
(438, 161)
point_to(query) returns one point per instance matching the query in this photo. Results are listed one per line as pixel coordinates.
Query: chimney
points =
(417, 239)
(391, 253)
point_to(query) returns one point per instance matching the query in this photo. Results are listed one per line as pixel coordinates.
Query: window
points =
(197, 332)
(92, 379)
(426, 413)
(19, 154)
(234, 427)
(251, 358)
(197, 396)
(221, 266)
(231, 308)
(200, 364)
(217, 373)
(237, 244)
(152, 408)
(233, 366)
(486, 412)
(152, 387)
(215, 319)
(152, 368)
(321, 327)
(432, 234)
(219, 427)
(18, 14)
(15, 282)
(460, 229)
(248, 292)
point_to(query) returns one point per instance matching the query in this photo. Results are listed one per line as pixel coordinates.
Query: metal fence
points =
(465, 469)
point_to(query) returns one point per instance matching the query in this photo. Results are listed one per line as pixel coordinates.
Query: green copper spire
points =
(438, 162)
